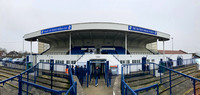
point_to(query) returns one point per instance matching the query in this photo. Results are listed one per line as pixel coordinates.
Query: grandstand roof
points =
(97, 30)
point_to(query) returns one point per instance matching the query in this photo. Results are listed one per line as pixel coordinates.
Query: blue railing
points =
(19, 84)
(148, 88)
(127, 69)
(11, 78)
(73, 85)
(127, 90)
(59, 92)
(14, 65)
(185, 62)
(35, 71)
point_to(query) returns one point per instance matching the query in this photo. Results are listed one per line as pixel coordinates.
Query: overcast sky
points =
(179, 18)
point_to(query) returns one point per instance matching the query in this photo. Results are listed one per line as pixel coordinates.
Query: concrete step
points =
(58, 83)
(179, 83)
(148, 77)
(156, 79)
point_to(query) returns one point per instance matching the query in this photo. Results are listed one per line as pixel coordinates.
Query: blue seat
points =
(120, 50)
(77, 50)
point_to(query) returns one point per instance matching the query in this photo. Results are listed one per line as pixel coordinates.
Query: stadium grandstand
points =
(99, 39)
(123, 57)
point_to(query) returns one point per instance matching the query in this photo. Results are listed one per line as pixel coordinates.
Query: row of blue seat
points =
(108, 52)
(77, 50)
(118, 50)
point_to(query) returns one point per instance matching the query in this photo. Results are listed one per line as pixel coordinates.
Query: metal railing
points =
(73, 85)
(148, 88)
(171, 74)
(127, 90)
(24, 79)
(14, 65)
(166, 78)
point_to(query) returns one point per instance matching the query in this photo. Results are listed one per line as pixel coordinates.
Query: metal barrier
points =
(59, 69)
(165, 78)
(24, 79)
(73, 85)
(31, 75)
(12, 78)
(148, 88)
(14, 65)
(172, 78)
(132, 70)
(127, 90)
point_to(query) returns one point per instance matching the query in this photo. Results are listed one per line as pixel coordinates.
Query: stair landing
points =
(101, 89)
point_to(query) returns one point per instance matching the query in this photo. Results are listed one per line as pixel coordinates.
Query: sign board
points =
(55, 29)
(114, 69)
(143, 30)
(51, 64)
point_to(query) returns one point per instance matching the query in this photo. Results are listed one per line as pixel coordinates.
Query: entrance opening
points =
(97, 63)
(103, 66)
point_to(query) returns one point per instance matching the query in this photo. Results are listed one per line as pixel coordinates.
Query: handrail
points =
(29, 69)
(177, 72)
(185, 62)
(17, 75)
(11, 78)
(79, 58)
(46, 50)
(147, 88)
(116, 58)
(39, 86)
(74, 84)
(132, 91)
(123, 82)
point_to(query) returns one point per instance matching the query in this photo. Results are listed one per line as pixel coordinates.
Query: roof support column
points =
(163, 50)
(172, 44)
(126, 47)
(70, 47)
(23, 48)
(31, 55)
(31, 48)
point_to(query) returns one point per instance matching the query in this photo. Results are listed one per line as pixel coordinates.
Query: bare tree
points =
(3, 49)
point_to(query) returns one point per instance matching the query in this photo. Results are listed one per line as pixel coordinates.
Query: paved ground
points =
(99, 90)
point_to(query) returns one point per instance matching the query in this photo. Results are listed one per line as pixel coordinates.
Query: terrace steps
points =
(43, 80)
(148, 80)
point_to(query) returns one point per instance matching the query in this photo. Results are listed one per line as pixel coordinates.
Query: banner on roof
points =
(143, 30)
(55, 29)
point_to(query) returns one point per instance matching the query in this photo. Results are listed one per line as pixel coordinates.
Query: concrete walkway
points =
(99, 90)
